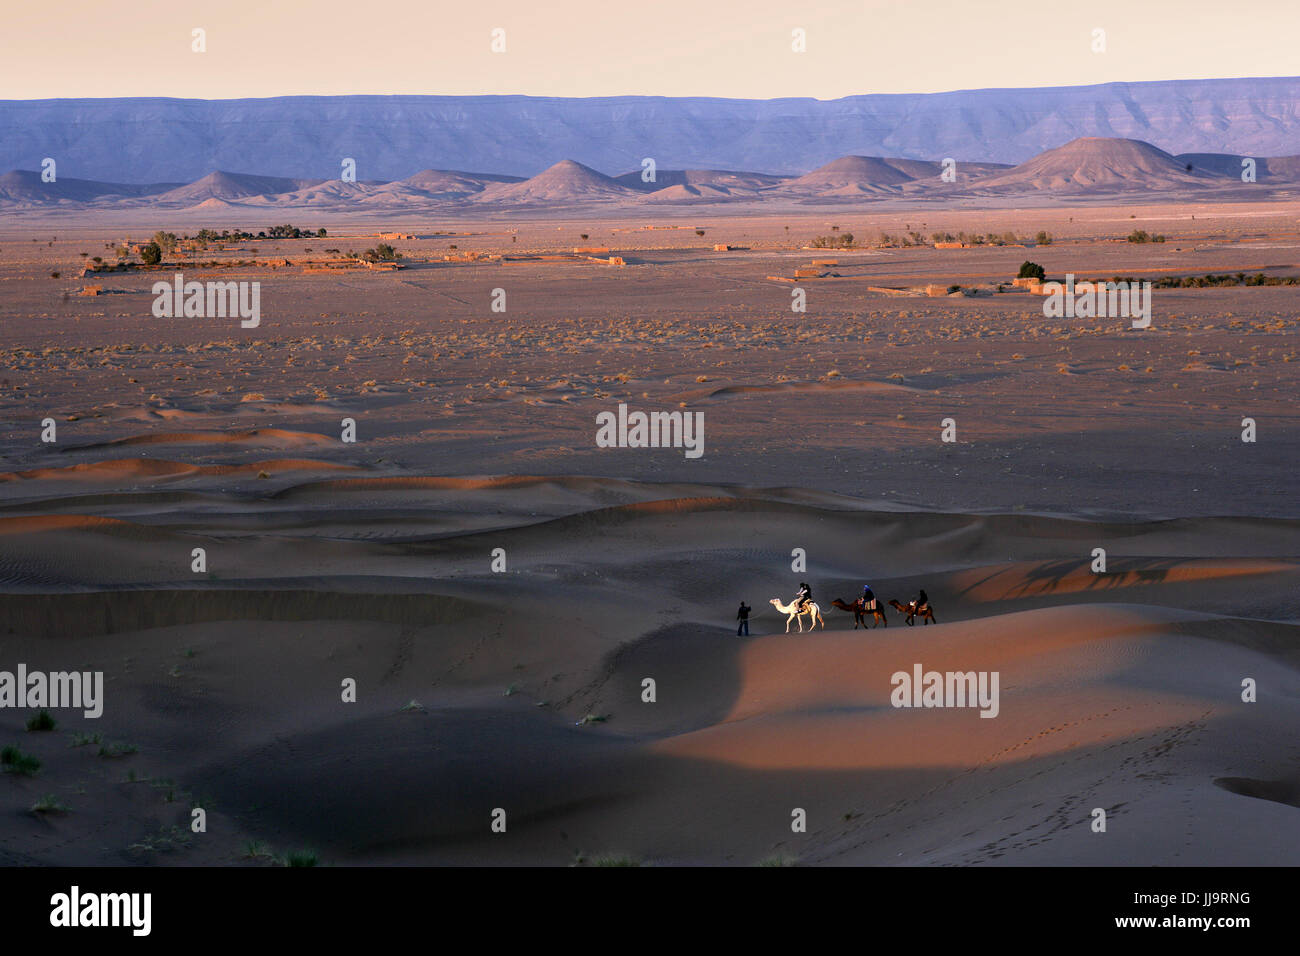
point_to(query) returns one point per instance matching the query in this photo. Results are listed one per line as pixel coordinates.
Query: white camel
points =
(793, 612)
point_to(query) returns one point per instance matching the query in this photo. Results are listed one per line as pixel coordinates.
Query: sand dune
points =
(501, 590)
(777, 387)
(523, 691)
(127, 469)
(527, 687)
(262, 437)
(1020, 580)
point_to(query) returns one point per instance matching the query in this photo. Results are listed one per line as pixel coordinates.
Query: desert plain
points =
(500, 588)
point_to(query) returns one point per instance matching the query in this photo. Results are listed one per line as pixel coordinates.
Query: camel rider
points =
(868, 598)
(804, 597)
(922, 600)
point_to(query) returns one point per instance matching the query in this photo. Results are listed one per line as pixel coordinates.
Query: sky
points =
(728, 48)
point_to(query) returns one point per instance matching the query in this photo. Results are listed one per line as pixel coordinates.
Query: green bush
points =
(42, 721)
(842, 241)
(1031, 270)
(13, 760)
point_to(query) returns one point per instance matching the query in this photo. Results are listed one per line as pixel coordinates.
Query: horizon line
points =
(647, 96)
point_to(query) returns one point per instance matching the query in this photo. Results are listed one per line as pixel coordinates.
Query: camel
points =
(860, 612)
(911, 610)
(793, 612)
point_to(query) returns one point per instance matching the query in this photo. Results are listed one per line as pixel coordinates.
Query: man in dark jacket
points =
(804, 597)
(743, 617)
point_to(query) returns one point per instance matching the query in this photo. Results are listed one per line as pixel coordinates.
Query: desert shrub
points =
(48, 804)
(42, 721)
(13, 760)
(1031, 270)
(151, 254)
(1211, 280)
(842, 241)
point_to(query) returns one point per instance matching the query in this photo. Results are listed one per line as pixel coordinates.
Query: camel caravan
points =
(867, 604)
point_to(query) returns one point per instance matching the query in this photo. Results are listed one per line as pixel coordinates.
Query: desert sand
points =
(522, 689)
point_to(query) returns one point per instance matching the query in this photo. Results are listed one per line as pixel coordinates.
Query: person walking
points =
(743, 617)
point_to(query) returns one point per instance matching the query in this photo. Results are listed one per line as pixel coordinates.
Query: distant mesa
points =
(1267, 169)
(566, 181)
(24, 187)
(859, 173)
(686, 193)
(133, 139)
(723, 182)
(454, 184)
(876, 176)
(229, 186)
(1099, 164)
(213, 202)
(1091, 166)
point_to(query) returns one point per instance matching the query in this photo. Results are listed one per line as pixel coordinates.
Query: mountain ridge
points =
(1088, 166)
(138, 140)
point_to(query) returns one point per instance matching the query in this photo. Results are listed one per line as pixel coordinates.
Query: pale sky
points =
(732, 48)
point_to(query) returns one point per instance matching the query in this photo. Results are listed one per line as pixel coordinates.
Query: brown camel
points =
(860, 612)
(911, 610)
